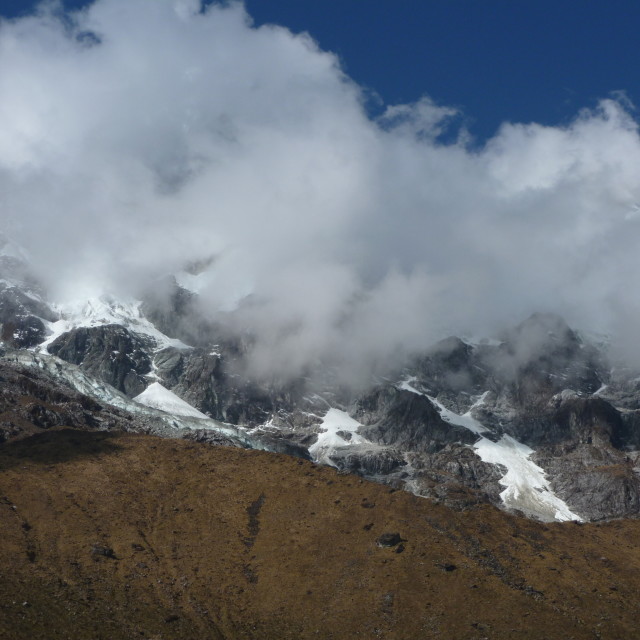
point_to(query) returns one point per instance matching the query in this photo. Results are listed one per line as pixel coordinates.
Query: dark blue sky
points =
(497, 60)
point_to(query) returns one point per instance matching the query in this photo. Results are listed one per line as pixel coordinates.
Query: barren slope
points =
(122, 536)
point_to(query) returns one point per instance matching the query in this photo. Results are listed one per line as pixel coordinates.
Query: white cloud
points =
(173, 134)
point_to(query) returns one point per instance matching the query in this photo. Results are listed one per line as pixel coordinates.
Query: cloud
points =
(138, 135)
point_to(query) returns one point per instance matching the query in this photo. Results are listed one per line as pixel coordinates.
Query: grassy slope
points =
(224, 543)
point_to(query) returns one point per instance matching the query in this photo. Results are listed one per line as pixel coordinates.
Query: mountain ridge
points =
(536, 420)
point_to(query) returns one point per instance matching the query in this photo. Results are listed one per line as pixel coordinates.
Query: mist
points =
(139, 135)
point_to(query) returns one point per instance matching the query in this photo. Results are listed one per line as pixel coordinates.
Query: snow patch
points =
(96, 312)
(328, 440)
(159, 421)
(406, 385)
(525, 484)
(465, 420)
(158, 397)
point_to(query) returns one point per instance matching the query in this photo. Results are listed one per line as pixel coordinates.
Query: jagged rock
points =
(100, 550)
(21, 317)
(368, 461)
(629, 438)
(599, 482)
(22, 332)
(109, 352)
(210, 437)
(622, 389)
(35, 400)
(198, 376)
(389, 540)
(282, 445)
(543, 356)
(207, 380)
(169, 365)
(406, 420)
(588, 421)
(541, 384)
(22, 308)
(456, 476)
(537, 360)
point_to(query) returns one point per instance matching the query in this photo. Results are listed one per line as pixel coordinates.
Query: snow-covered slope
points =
(525, 484)
(106, 310)
(329, 439)
(172, 422)
(158, 397)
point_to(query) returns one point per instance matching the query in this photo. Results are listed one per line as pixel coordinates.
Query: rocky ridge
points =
(536, 420)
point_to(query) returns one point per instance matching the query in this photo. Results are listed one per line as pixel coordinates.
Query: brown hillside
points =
(120, 536)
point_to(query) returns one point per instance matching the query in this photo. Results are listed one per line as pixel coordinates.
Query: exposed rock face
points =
(456, 477)
(38, 392)
(111, 353)
(31, 400)
(454, 370)
(21, 317)
(407, 421)
(598, 480)
(205, 379)
(370, 462)
(517, 387)
(22, 308)
(630, 434)
(588, 421)
(545, 349)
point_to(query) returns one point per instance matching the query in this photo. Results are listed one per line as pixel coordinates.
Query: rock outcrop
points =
(111, 353)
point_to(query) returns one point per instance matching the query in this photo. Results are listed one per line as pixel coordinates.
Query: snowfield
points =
(525, 484)
(105, 310)
(158, 397)
(328, 440)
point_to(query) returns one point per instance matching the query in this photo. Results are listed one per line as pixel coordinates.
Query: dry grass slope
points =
(120, 536)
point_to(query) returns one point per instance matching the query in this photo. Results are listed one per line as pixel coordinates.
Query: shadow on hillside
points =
(57, 446)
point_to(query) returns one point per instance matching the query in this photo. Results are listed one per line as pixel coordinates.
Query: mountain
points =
(536, 420)
(144, 490)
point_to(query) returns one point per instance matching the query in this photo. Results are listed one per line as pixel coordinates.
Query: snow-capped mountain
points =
(534, 420)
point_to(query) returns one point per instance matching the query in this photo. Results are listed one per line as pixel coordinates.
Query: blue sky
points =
(496, 60)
